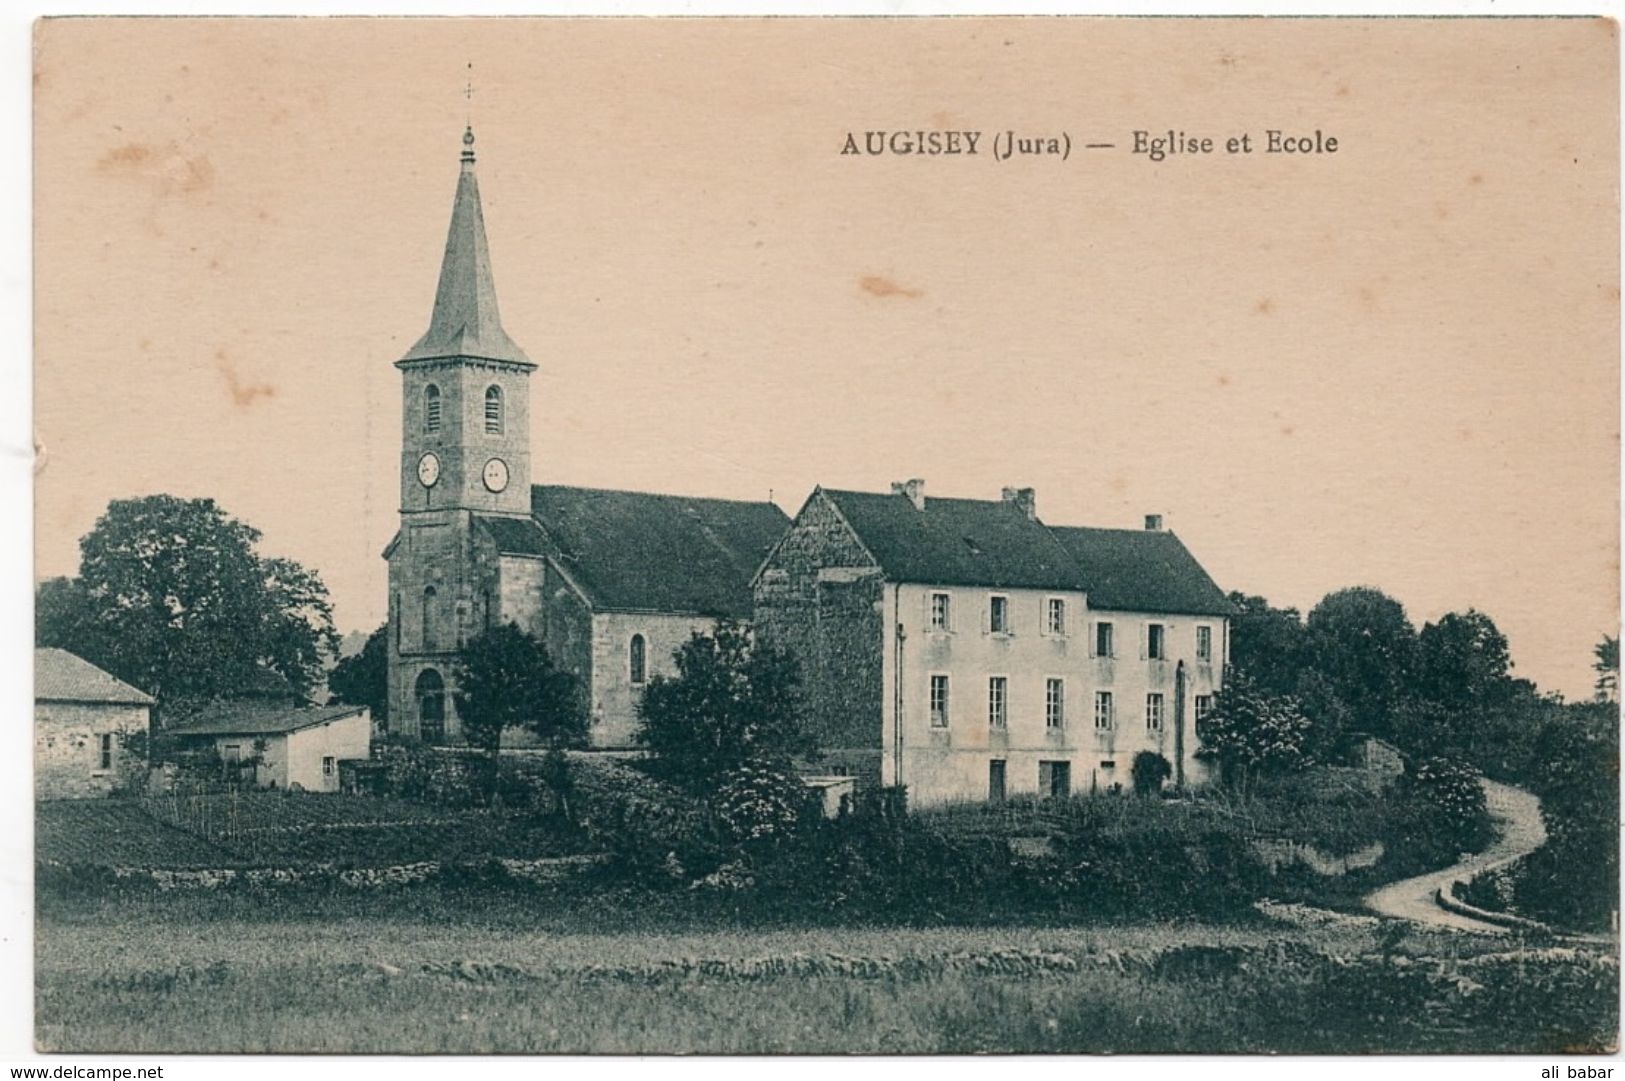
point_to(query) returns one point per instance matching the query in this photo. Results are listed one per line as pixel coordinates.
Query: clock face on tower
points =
(428, 470)
(495, 474)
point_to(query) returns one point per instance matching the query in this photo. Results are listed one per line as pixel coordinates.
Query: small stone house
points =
(968, 651)
(83, 718)
(297, 746)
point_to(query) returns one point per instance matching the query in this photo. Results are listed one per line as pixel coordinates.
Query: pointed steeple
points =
(465, 322)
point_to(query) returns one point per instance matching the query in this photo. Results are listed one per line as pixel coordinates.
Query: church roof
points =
(967, 542)
(638, 551)
(1134, 570)
(465, 322)
(60, 676)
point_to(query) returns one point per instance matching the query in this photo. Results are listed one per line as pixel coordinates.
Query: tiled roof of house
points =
(637, 551)
(970, 542)
(1131, 570)
(253, 719)
(60, 676)
(991, 543)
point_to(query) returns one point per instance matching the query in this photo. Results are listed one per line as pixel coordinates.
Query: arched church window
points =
(493, 410)
(431, 619)
(431, 408)
(637, 656)
(430, 692)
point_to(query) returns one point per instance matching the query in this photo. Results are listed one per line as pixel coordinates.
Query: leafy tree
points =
(734, 701)
(1361, 641)
(1149, 770)
(1249, 732)
(173, 597)
(362, 679)
(1607, 668)
(1462, 662)
(1447, 812)
(505, 679)
(1269, 644)
(1329, 716)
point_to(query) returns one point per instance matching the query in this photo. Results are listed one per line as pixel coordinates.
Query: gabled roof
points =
(465, 322)
(249, 719)
(969, 542)
(1130, 570)
(60, 676)
(637, 551)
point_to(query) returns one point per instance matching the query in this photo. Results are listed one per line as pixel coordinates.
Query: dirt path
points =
(1521, 831)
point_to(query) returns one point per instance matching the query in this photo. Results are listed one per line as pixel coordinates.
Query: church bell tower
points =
(465, 454)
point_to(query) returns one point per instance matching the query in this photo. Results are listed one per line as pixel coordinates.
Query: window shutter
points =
(1145, 633)
(926, 621)
(1093, 629)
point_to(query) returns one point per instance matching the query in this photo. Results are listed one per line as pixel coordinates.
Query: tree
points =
(1269, 644)
(1462, 662)
(1607, 668)
(1361, 641)
(505, 679)
(1249, 732)
(362, 679)
(1149, 770)
(173, 597)
(734, 702)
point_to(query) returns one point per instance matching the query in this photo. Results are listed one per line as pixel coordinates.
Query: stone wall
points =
(67, 746)
(819, 597)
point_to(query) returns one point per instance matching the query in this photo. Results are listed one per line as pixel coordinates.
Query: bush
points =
(1441, 810)
(1150, 770)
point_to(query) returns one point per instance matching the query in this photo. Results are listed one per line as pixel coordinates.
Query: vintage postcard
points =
(806, 535)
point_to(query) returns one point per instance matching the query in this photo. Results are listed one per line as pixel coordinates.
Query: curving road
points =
(1521, 831)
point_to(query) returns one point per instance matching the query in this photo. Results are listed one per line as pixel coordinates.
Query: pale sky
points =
(1396, 365)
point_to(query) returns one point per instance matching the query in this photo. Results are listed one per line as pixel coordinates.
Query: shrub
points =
(1150, 770)
(1441, 810)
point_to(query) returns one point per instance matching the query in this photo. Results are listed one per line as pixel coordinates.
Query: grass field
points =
(272, 829)
(456, 971)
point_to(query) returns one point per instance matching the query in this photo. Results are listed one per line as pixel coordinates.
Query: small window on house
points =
(998, 701)
(431, 408)
(1153, 712)
(1103, 710)
(998, 615)
(939, 701)
(493, 410)
(1204, 705)
(1154, 645)
(941, 612)
(328, 765)
(995, 781)
(1103, 639)
(1055, 703)
(105, 755)
(637, 657)
(1055, 615)
(231, 754)
(1204, 643)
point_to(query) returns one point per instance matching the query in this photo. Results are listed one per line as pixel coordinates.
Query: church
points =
(611, 581)
(963, 648)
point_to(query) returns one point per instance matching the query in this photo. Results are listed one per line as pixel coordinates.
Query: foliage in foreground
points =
(1284, 997)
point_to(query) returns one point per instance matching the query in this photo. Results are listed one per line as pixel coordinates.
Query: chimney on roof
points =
(1023, 499)
(1153, 523)
(913, 488)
